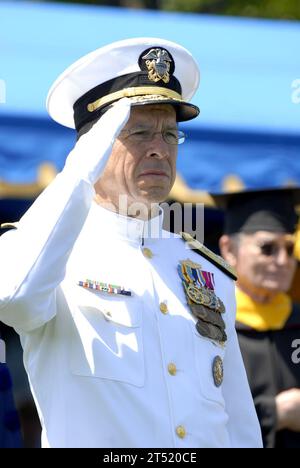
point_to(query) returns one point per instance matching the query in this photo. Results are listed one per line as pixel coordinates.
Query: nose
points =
(282, 257)
(158, 148)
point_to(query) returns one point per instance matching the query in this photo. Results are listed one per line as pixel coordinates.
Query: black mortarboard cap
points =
(260, 210)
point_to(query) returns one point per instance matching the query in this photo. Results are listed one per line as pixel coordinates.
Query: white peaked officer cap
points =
(146, 70)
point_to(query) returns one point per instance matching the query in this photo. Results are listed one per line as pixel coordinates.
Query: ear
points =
(228, 250)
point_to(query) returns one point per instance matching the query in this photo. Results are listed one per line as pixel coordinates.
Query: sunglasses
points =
(272, 249)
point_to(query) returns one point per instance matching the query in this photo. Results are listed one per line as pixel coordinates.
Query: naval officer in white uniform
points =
(128, 335)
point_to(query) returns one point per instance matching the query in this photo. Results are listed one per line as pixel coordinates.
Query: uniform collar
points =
(131, 229)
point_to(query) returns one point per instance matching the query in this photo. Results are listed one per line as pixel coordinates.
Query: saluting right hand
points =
(91, 152)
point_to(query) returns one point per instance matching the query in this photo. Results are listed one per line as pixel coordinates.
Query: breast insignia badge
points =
(202, 300)
(218, 371)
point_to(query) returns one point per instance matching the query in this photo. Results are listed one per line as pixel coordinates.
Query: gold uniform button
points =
(180, 431)
(163, 308)
(107, 315)
(147, 253)
(172, 369)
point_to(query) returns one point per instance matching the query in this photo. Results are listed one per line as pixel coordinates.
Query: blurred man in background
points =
(259, 240)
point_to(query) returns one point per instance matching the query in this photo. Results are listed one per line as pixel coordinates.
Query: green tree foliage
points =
(280, 9)
(276, 9)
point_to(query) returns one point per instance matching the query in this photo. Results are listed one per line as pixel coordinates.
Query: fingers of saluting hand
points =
(91, 152)
(109, 125)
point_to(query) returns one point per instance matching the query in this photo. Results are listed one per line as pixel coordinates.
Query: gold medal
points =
(205, 305)
(200, 295)
(220, 306)
(195, 294)
(207, 315)
(211, 331)
(202, 328)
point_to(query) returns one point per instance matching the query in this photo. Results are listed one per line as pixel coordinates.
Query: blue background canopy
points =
(249, 126)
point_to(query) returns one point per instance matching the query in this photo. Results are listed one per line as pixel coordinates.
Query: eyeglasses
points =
(271, 249)
(170, 136)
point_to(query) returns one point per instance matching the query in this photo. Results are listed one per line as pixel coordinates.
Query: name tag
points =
(2, 352)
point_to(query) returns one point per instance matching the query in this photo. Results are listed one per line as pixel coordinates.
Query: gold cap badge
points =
(158, 63)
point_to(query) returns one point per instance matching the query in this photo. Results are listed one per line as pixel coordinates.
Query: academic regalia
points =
(273, 365)
(269, 334)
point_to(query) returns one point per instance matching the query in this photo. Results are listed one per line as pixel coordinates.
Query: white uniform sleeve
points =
(243, 426)
(34, 257)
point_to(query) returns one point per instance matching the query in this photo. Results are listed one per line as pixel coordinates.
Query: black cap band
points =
(83, 115)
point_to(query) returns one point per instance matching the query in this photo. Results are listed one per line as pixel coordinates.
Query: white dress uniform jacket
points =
(112, 370)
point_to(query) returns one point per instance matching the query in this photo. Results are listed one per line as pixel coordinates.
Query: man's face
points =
(142, 170)
(265, 261)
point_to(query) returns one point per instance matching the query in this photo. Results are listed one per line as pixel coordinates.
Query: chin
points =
(272, 287)
(154, 196)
